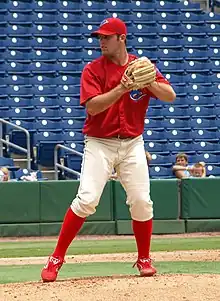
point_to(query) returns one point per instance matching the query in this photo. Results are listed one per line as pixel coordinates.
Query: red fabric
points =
(111, 26)
(126, 116)
(71, 226)
(142, 232)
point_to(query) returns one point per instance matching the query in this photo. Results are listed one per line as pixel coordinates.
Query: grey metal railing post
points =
(56, 164)
(25, 150)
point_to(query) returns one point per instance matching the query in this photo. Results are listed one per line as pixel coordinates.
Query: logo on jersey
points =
(136, 95)
(104, 22)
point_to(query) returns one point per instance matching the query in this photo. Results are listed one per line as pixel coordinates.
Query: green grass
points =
(9, 274)
(44, 248)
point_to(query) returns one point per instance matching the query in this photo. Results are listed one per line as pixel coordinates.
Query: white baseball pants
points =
(128, 158)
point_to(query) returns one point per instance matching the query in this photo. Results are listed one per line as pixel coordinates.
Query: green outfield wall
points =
(38, 208)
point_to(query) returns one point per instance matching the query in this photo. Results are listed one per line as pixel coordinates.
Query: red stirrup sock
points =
(142, 232)
(71, 226)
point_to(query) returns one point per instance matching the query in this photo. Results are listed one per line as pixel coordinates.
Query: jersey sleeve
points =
(90, 86)
(160, 79)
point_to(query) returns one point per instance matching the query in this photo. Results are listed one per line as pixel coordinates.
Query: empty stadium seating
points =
(44, 46)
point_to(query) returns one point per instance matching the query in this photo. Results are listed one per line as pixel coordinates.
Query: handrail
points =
(25, 150)
(56, 164)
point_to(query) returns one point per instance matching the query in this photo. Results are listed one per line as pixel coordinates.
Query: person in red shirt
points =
(113, 140)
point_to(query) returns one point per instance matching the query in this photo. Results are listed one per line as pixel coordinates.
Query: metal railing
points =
(24, 150)
(58, 165)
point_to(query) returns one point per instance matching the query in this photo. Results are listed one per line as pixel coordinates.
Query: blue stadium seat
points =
(18, 67)
(143, 40)
(213, 170)
(180, 146)
(124, 4)
(73, 28)
(178, 134)
(75, 145)
(156, 146)
(45, 5)
(19, 41)
(192, 16)
(43, 79)
(153, 123)
(160, 172)
(40, 41)
(47, 125)
(70, 4)
(162, 159)
(46, 112)
(154, 134)
(68, 100)
(175, 111)
(201, 110)
(21, 113)
(42, 67)
(45, 101)
(176, 122)
(20, 29)
(67, 89)
(74, 67)
(69, 53)
(19, 101)
(169, 65)
(72, 112)
(23, 79)
(69, 78)
(208, 158)
(72, 124)
(203, 134)
(215, 78)
(203, 122)
(206, 146)
(201, 89)
(45, 16)
(71, 41)
(194, 41)
(170, 42)
(193, 66)
(43, 90)
(72, 136)
(19, 54)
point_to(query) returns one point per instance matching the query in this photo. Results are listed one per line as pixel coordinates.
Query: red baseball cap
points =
(111, 26)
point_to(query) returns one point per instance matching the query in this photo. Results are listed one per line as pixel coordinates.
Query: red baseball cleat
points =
(145, 268)
(51, 269)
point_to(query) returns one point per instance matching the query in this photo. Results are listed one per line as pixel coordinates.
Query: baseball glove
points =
(139, 74)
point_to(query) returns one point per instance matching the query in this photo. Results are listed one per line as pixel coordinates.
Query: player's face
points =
(181, 161)
(109, 44)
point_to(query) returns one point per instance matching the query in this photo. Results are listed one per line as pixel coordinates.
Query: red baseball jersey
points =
(126, 116)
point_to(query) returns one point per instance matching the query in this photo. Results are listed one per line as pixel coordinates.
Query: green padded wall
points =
(159, 227)
(18, 230)
(200, 198)
(56, 197)
(19, 202)
(164, 194)
(88, 228)
(203, 225)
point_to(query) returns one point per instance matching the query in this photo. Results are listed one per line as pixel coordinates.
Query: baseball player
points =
(115, 89)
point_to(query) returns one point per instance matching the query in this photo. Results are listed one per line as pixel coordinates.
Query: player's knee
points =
(141, 208)
(84, 208)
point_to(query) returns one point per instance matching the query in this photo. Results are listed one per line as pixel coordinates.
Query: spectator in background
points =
(181, 169)
(4, 174)
(199, 170)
